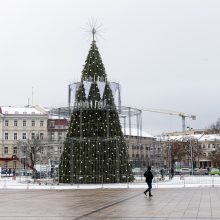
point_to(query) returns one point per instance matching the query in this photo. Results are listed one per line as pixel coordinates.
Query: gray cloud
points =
(164, 53)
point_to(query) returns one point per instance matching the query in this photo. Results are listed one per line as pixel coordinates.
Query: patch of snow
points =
(176, 182)
(136, 132)
(9, 110)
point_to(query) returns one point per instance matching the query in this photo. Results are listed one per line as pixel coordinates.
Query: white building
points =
(20, 124)
(207, 141)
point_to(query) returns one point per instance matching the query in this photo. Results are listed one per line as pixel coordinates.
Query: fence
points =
(26, 182)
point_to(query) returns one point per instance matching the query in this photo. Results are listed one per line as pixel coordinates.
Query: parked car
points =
(204, 172)
(215, 171)
(197, 171)
(185, 171)
(4, 172)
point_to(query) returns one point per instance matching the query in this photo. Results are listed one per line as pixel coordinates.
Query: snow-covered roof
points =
(57, 117)
(199, 137)
(135, 132)
(11, 110)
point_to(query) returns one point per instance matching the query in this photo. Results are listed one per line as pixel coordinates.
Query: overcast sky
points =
(165, 54)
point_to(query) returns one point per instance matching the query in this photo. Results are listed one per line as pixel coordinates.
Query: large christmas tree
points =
(95, 150)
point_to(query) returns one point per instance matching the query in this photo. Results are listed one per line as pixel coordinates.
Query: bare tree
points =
(214, 156)
(192, 146)
(215, 127)
(177, 152)
(30, 152)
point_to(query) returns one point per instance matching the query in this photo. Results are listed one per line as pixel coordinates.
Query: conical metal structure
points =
(95, 150)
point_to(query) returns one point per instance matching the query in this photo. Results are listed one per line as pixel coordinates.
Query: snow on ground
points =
(176, 182)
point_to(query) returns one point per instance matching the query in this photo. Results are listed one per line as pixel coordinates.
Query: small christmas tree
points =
(95, 150)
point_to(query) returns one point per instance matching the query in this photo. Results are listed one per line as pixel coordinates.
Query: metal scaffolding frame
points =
(129, 118)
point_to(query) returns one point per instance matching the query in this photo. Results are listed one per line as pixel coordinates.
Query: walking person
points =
(172, 172)
(149, 177)
(162, 173)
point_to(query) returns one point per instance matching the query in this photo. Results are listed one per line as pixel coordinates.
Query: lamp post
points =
(169, 155)
(191, 150)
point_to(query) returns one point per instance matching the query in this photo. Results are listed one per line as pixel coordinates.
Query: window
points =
(41, 150)
(6, 150)
(6, 122)
(14, 150)
(15, 136)
(137, 155)
(41, 123)
(24, 136)
(60, 149)
(15, 123)
(59, 135)
(52, 135)
(24, 123)
(32, 136)
(52, 124)
(6, 136)
(41, 136)
(14, 164)
(33, 123)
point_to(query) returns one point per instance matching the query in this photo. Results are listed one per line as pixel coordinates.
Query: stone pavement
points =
(126, 204)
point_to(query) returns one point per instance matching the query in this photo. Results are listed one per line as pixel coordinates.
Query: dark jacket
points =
(149, 176)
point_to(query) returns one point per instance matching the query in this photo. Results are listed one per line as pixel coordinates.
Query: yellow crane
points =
(169, 112)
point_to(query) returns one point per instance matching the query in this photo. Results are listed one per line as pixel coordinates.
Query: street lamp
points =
(191, 149)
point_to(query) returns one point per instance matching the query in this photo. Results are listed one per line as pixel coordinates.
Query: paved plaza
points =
(178, 203)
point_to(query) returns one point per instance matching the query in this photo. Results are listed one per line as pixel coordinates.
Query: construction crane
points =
(169, 112)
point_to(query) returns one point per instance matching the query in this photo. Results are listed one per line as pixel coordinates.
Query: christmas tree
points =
(95, 150)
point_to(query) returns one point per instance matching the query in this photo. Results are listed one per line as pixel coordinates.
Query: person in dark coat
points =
(9, 171)
(172, 172)
(162, 173)
(149, 177)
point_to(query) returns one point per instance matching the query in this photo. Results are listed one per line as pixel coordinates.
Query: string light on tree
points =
(95, 139)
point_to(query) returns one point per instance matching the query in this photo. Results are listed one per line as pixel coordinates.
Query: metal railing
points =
(27, 182)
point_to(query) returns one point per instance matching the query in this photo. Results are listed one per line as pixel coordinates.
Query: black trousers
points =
(149, 188)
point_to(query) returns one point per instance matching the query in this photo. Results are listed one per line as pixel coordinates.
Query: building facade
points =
(57, 128)
(144, 151)
(19, 125)
(206, 142)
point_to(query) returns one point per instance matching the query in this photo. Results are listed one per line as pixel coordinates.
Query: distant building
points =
(144, 150)
(57, 131)
(20, 125)
(207, 141)
(17, 125)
